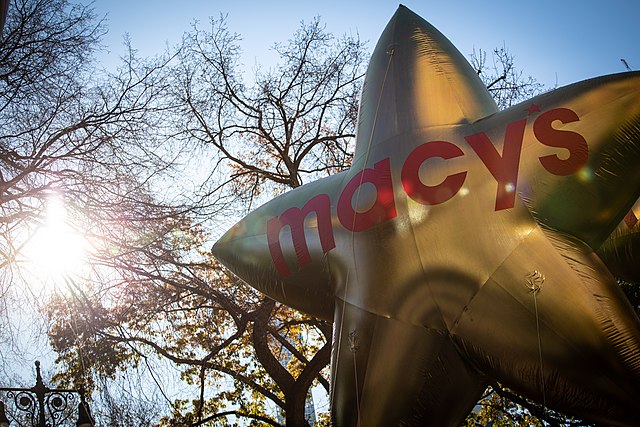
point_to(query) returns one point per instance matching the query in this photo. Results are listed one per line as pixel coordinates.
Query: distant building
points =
(309, 407)
(309, 412)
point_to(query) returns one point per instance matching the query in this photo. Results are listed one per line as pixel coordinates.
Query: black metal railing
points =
(41, 406)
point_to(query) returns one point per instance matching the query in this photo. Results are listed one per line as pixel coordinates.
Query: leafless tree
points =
(505, 81)
(291, 122)
(70, 132)
(294, 121)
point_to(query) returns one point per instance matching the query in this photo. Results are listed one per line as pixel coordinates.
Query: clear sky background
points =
(555, 41)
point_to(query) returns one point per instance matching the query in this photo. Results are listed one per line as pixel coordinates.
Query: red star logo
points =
(533, 108)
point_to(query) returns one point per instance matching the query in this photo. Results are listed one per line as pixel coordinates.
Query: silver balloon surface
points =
(462, 244)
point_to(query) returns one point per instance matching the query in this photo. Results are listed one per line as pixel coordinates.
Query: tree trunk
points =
(295, 411)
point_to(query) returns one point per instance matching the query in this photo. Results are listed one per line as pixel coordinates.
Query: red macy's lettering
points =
(503, 167)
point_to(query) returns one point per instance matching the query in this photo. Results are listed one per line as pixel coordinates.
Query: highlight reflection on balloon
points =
(474, 255)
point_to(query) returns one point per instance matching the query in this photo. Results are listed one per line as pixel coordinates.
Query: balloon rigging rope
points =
(355, 374)
(535, 304)
(535, 280)
(344, 299)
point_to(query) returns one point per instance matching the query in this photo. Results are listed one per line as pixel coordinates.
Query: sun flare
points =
(56, 250)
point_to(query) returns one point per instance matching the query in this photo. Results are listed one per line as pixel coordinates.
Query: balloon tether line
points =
(353, 347)
(534, 282)
(390, 52)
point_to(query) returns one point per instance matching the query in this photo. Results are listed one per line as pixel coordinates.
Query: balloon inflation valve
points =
(353, 341)
(535, 280)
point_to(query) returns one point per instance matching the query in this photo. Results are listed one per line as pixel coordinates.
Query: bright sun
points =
(56, 250)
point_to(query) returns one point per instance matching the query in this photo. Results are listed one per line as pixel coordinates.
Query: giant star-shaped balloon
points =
(460, 246)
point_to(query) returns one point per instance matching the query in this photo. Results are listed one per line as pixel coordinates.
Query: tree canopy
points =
(165, 297)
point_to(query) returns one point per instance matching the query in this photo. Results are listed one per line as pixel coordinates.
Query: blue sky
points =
(554, 41)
